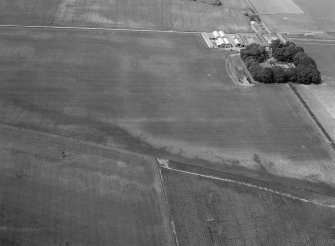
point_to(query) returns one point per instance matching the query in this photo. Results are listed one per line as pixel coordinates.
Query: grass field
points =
(214, 212)
(92, 195)
(153, 93)
(317, 16)
(153, 14)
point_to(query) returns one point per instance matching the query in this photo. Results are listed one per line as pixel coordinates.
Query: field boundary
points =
(312, 115)
(98, 29)
(167, 205)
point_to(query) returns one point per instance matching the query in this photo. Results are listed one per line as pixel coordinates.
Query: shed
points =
(227, 43)
(220, 43)
(237, 42)
(222, 34)
(216, 34)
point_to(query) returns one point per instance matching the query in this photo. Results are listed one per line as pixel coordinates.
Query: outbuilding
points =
(220, 43)
(216, 34)
(227, 43)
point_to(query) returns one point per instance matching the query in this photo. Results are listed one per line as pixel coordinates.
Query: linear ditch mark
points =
(53, 18)
(242, 183)
(310, 112)
(269, 182)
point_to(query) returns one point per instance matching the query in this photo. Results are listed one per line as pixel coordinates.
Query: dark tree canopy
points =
(250, 62)
(304, 72)
(308, 74)
(255, 51)
(304, 59)
(264, 75)
(291, 74)
(285, 52)
(279, 75)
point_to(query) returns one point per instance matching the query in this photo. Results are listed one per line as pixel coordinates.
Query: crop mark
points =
(242, 183)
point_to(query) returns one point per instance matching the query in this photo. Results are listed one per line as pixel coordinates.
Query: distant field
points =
(156, 93)
(318, 16)
(91, 195)
(276, 7)
(28, 12)
(213, 212)
(183, 15)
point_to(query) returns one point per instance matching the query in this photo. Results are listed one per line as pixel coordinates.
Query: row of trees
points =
(304, 72)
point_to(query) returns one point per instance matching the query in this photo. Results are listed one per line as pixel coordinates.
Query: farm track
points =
(313, 41)
(98, 28)
(72, 145)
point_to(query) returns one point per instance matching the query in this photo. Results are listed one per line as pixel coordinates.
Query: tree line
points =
(304, 71)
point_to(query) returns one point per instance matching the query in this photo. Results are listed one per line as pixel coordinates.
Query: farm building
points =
(262, 40)
(269, 38)
(281, 38)
(228, 44)
(223, 43)
(222, 34)
(219, 42)
(252, 16)
(238, 43)
(216, 34)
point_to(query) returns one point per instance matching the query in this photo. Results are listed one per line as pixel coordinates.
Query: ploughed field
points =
(156, 93)
(184, 15)
(215, 212)
(60, 191)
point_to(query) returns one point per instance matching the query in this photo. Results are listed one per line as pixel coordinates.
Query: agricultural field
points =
(185, 15)
(156, 93)
(321, 99)
(32, 12)
(60, 191)
(314, 16)
(215, 212)
(276, 7)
